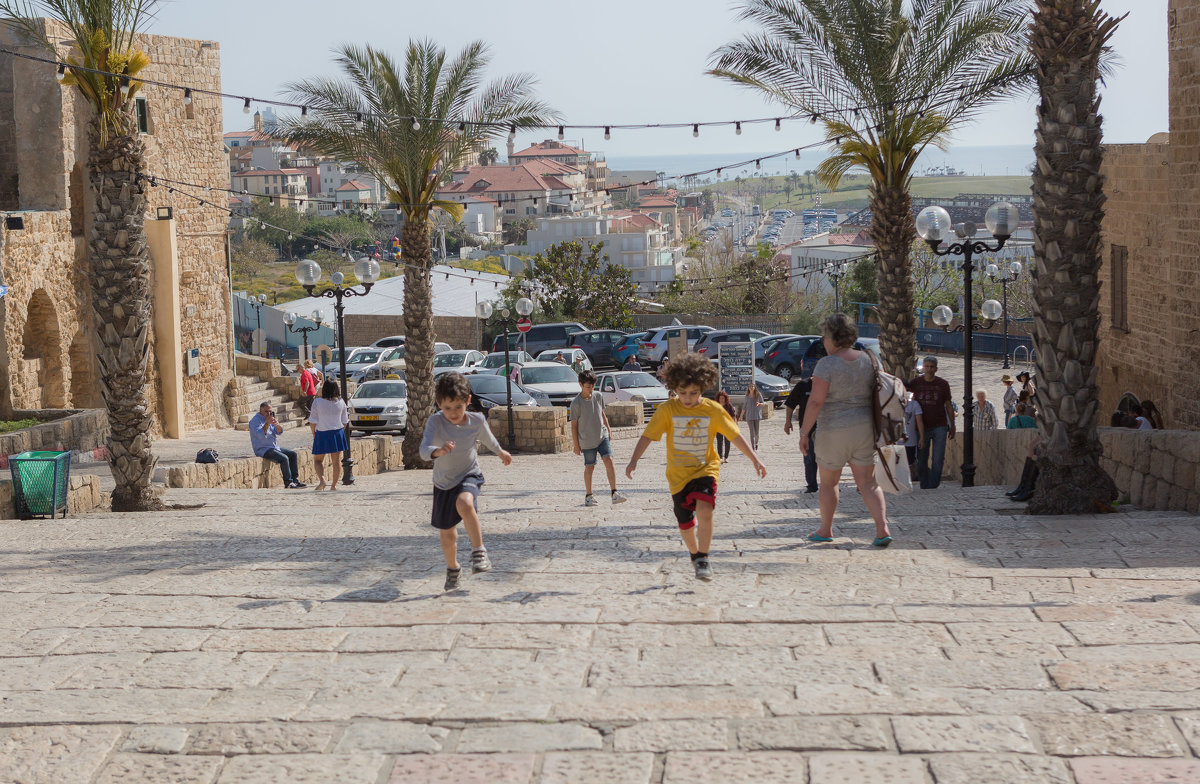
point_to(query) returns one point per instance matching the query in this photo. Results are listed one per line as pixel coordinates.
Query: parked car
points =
(553, 379)
(487, 392)
(392, 361)
(817, 350)
(455, 361)
(389, 342)
(378, 406)
(774, 389)
(331, 367)
(569, 354)
(707, 344)
(655, 349)
(626, 385)
(540, 337)
(628, 347)
(356, 363)
(763, 345)
(785, 358)
(598, 344)
(493, 363)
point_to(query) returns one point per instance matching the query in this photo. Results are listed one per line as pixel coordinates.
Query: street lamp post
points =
(258, 303)
(1006, 274)
(290, 320)
(933, 224)
(308, 273)
(484, 310)
(835, 276)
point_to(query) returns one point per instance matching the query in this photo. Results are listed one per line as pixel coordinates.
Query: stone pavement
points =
(276, 636)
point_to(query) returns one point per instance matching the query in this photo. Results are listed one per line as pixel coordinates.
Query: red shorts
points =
(702, 489)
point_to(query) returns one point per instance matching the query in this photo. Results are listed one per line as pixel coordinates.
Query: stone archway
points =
(43, 376)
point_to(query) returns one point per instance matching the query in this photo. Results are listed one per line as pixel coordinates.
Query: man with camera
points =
(264, 438)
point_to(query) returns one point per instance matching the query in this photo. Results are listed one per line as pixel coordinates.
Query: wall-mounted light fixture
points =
(14, 222)
(164, 213)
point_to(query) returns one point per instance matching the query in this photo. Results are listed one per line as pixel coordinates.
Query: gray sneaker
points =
(617, 498)
(703, 570)
(480, 562)
(452, 578)
(590, 501)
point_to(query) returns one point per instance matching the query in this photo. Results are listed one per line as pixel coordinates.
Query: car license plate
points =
(368, 418)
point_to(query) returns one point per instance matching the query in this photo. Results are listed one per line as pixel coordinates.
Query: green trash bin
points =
(40, 482)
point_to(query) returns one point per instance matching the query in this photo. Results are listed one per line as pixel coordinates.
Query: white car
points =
(654, 349)
(628, 385)
(378, 406)
(331, 367)
(494, 362)
(392, 362)
(569, 354)
(455, 361)
(389, 342)
(553, 379)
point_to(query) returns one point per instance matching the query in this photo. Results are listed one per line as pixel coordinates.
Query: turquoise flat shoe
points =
(882, 541)
(818, 538)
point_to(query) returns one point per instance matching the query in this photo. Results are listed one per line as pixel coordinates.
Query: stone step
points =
(284, 413)
(286, 424)
(251, 386)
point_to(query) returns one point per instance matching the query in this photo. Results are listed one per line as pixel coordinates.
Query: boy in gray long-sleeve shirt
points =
(457, 478)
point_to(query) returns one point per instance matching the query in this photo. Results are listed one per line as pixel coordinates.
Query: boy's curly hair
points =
(689, 370)
(451, 386)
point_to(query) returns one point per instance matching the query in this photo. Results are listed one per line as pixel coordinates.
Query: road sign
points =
(736, 361)
(524, 325)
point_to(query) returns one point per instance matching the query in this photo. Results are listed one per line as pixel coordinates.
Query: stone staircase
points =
(246, 393)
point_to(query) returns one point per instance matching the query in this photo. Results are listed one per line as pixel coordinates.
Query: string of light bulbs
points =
(188, 91)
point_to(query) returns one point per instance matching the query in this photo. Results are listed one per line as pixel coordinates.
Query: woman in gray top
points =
(840, 405)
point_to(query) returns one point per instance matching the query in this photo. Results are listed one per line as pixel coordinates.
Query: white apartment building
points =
(285, 186)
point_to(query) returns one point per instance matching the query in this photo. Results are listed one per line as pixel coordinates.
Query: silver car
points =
(626, 385)
(378, 406)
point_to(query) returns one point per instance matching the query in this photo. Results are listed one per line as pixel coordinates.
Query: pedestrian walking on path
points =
(264, 438)
(691, 422)
(797, 400)
(840, 403)
(589, 434)
(308, 386)
(724, 443)
(450, 436)
(937, 411)
(984, 412)
(1010, 397)
(328, 420)
(752, 413)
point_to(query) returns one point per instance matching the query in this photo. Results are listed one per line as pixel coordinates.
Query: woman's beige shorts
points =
(854, 445)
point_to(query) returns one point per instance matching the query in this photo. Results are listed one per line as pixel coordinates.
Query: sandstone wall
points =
(536, 428)
(51, 363)
(82, 432)
(461, 332)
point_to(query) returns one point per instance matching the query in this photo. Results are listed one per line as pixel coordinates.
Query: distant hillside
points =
(852, 194)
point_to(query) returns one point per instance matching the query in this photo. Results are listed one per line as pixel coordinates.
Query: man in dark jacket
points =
(797, 399)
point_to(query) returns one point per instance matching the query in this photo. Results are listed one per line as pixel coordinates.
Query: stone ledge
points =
(372, 455)
(80, 432)
(83, 495)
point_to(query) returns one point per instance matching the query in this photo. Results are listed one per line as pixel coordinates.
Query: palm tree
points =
(399, 121)
(489, 157)
(887, 79)
(1068, 39)
(103, 33)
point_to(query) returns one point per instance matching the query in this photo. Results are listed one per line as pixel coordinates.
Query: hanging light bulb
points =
(462, 127)
(358, 121)
(561, 134)
(607, 133)
(778, 127)
(124, 86)
(695, 130)
(813, 119)
(303, 111)
(245, 106)
(62, 72)
(797, 153)
(187, 96)
(416, 124)
(738, 129)
(758, 163)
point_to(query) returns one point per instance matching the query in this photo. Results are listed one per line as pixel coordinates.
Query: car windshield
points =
(381, 389)
(359, 357)
(495, 360)
(397, 353)
(488, 385)
(456, 359)
(634, 380)
(548, 375)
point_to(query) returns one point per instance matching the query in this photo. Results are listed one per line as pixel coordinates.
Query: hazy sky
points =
(613, 61)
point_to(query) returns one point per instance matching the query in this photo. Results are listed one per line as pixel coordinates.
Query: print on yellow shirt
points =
(690, 434)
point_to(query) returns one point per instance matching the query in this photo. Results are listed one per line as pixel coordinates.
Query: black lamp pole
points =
(303, 332)
(505, 319)
(1007, 274)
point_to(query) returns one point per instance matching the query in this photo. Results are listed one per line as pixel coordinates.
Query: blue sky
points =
(616, 61)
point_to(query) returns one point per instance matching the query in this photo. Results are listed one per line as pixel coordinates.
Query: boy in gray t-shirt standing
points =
(589, 434)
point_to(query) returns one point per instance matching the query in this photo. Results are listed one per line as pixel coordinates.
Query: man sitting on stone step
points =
(264, 438)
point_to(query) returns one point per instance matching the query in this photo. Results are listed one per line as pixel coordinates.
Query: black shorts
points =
(445, 502)
(702, 489)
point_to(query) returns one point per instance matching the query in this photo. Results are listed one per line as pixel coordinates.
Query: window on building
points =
(143, 115)
(1120, 301)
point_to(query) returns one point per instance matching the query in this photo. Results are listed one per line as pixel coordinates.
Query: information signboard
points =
(736, 361)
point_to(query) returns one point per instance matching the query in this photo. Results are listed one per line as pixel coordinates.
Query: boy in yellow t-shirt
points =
(691, 423)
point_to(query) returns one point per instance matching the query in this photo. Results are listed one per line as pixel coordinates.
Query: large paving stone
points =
(757, 767)
(596, 768)
(261, 738)
(62, 755)
(1113, 770)
(962, 733)
(160, 769)
(875, 768)
(463, 769)
(1127, 735)
(517, 737)
(392, 737)
(683, 735)
(998, 769)
(814, 733)
(303, 769)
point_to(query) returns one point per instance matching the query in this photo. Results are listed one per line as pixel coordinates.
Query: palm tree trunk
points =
(120, 276)
(1067, 38)
(419, 337)
(893, 230)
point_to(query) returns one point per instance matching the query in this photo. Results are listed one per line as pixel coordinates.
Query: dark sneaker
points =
(452, 578)
(480, 562)
(703, 569)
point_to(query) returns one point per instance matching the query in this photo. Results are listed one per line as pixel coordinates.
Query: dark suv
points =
(707, 345)
(541, 337)
(787, 356)
(598, 344)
